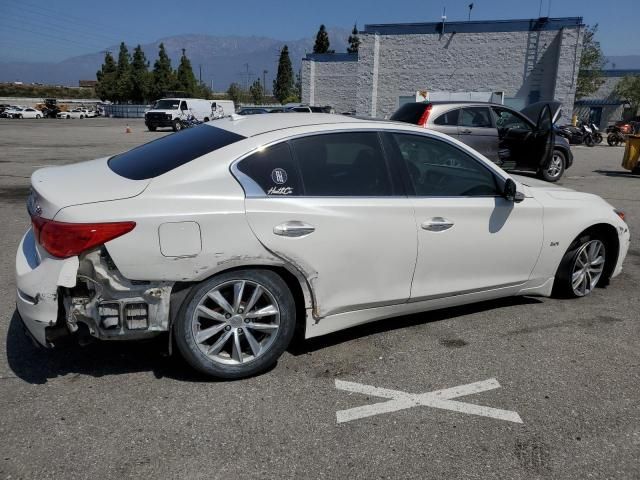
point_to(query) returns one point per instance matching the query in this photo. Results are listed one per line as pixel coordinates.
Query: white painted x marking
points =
(437, 399)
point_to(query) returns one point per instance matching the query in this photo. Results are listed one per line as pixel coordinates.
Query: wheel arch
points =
(609, 234)
(297, 284)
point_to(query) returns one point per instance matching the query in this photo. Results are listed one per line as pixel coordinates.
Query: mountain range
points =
(223, 59)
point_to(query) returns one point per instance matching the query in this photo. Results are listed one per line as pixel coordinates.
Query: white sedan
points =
(231, 234)
(26, 112)
(75, 113)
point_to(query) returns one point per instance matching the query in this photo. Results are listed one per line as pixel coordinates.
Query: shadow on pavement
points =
(37, 365)
(300, 346)
(617, 173)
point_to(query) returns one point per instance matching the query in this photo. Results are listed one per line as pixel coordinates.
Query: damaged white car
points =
(231, 234)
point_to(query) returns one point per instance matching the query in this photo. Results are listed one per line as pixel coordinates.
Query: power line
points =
(54, 37)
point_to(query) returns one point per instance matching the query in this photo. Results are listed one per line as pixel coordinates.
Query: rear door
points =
(328, 205)
(447, 122)
(476, 129)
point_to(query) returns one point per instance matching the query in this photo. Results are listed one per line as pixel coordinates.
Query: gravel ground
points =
(570, 369)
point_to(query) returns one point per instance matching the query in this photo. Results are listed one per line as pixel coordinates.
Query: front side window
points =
(183, 105)
(342, 164)
(475, 117)
(506, 119)
(274, 170)
(439, 169)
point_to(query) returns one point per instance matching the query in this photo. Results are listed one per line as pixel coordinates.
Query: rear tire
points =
(554, 169)
(613, 140)
(588, 141)
(597, 138)
(582, 268)
(236, 324)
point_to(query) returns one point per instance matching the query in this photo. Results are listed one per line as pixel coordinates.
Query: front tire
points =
(236, 324)
(582, 267)
(597, 138)
(152, 128)
(176, 125)
(553, 170)
(588, 141)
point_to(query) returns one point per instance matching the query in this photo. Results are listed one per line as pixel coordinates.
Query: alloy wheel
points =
(236, 322)
(587, 267)
(555, 166)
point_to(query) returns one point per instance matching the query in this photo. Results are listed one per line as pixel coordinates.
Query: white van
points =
(168, 111)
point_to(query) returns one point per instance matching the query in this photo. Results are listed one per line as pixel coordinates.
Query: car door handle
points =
(437, 224)
(466, 131)
(294, 228)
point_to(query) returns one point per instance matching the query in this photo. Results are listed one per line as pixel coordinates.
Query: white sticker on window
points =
(280, 191)
(279, 176)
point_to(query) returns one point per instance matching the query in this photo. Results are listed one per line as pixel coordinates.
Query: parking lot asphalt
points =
(569, 368)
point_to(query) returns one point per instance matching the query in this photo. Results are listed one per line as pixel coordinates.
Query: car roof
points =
(249, 126)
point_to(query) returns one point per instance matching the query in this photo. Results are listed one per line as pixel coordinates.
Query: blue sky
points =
(47, 30)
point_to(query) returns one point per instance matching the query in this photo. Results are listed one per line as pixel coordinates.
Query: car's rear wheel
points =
(236, 324)
(553, 170)
(582, 267)
(152, 128)
(38, 116)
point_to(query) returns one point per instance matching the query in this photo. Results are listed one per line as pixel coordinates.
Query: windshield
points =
(167, 104)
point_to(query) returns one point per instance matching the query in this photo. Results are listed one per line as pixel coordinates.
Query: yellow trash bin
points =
(631, 153)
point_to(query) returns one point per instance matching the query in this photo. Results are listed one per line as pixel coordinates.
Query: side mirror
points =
(511, 193)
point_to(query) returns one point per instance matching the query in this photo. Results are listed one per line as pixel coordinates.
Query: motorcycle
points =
(582, 134)
(597, 136)
(615, 136)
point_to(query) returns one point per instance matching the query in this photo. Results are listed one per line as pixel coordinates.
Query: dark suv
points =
(513, 140)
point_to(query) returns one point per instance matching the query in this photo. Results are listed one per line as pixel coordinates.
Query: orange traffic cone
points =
(128, 129)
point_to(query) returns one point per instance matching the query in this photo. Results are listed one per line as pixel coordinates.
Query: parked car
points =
(28, 113)
(513, 140)
(253, 111)
(75, 113)
(233, 233)
(13, 111)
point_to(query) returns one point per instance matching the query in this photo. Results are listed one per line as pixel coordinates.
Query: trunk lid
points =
(54, 188)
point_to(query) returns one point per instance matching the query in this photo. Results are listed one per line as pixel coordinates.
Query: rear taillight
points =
(620, 213)
(425, 116)
(65, 240)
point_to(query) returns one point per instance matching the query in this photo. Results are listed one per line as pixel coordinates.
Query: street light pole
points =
(264, 81)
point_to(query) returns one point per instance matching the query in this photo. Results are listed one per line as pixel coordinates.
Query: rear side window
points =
(409, 113)
(449, 119)
(274, 170)
(160, 156)
(478, 117)
(342, 164)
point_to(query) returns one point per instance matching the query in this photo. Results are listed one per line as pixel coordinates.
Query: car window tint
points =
(475, 117)
(183, 105)
(342, 164)
(274, 170)
(448, 118)
(506, 119)
(166, 153)
(439, 169)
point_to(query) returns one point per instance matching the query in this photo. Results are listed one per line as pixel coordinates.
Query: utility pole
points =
(200, 66)
(470, 8)
(264, 81)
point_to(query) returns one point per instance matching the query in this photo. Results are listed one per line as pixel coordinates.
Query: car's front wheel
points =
(552, 172)
(176, 125)
(582, 267)
(236, 324)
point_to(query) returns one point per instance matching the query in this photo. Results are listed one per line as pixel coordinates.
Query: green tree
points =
(234, 92)
(629, 89)
(140, 77)
(283, 84)
(322, 41)
(257, 92)
(106, 86)
(354, 40)
(163, 78)
(185, 79)
(590, 75)
(124, 83)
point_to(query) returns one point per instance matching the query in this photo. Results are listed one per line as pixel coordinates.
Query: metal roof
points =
(476, 26)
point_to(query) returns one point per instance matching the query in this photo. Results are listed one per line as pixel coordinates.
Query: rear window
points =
(160, 156)
(409, 113)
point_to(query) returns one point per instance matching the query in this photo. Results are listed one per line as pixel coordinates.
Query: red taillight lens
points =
(425, 116)
(65, 240)
(620, 213)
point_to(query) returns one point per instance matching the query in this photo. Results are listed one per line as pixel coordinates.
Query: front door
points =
(330, 209)
(476, 129)
(470, 239)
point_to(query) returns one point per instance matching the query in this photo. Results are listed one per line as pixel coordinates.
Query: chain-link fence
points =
(125, 111)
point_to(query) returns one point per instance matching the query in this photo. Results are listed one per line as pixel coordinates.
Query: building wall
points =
(330, 80)
(528, 65)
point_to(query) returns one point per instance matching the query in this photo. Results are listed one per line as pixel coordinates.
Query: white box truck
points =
(167, 112)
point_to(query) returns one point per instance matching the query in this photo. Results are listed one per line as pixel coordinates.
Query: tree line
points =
(130, 80)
